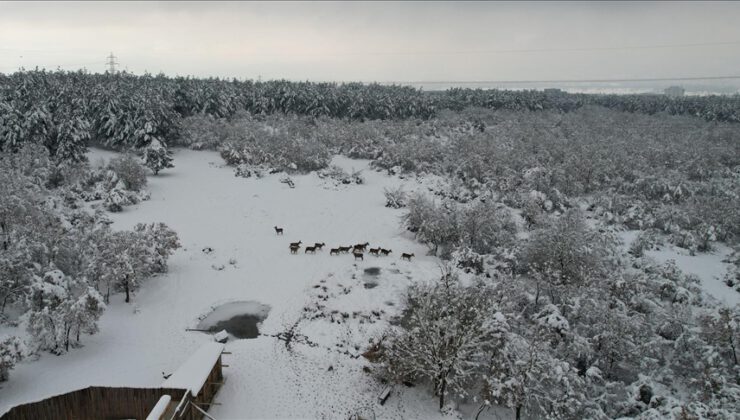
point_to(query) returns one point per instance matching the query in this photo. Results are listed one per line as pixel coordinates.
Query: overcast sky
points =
(380, 41)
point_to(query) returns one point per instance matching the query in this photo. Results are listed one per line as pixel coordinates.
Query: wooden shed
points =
(185, 395)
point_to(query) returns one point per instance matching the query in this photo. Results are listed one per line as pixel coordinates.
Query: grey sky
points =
(382, 41)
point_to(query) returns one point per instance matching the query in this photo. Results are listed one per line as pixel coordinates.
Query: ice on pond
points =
(240, 319)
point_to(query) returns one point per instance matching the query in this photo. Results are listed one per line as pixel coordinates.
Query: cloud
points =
(375, 40)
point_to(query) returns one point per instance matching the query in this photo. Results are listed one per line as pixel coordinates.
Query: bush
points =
(12, 349)
(395, 198)
(128, 170)
(568, 251)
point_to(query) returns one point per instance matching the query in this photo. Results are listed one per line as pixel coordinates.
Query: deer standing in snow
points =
(278, 231)
(406, 256)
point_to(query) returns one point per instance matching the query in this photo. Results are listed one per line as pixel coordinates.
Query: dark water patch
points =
(372, 271)
(240, 319)
(240, 326)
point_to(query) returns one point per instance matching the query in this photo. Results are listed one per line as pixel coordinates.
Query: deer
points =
(334, 251)
(385, 251)
(292, 244)
(361, 247)
(278, 231)
(344, 249)
(294, 249)
(406, 256)
(375, 251)
(319, 245)
(358, 255)
(311, 249)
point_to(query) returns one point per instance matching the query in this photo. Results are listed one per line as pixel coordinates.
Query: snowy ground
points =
(209, 207)
(708, 266)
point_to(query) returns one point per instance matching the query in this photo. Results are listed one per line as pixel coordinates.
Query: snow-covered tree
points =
(157, 156)
(450, 331)
(523, 376)
(12, 350)
(568, 251)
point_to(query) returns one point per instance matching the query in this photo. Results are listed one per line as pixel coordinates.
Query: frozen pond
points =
(240, 319)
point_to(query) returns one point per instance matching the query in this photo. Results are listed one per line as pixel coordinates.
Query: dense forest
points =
(65, 110)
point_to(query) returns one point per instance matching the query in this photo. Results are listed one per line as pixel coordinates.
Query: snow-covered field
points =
(209, 207)
(330, 303)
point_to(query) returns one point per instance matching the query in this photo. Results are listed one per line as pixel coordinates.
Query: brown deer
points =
(292, 244)
(311, 249)
(319, 245)
(406, 256)
(375, 251)
(294, 249)
(385, 251)
(344, 249)
(358, 255)
(361, 247)
(334, 251)
(278, 231)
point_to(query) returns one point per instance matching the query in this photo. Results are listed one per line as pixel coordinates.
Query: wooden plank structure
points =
(194, 384)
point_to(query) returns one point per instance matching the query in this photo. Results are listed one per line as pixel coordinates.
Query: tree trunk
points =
(443, 386)
(125, 286)
(734, 354)
(480, 410)
(66, 338)
(519, 412)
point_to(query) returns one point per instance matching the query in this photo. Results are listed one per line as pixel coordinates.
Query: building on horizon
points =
(674, 91)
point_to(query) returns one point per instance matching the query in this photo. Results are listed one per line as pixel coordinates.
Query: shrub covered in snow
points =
(12, 350)
(129, 171)
(395, 198)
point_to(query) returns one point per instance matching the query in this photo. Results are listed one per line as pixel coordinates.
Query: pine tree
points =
(157, 156)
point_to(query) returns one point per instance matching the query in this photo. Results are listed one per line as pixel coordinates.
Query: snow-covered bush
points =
(395, 198)
(12, 350)
(128, 170)
(340, 176)
(569, 251)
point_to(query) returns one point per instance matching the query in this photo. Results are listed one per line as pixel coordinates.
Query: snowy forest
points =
(540, 213)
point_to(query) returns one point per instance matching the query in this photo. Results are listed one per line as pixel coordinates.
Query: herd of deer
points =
(358, 250)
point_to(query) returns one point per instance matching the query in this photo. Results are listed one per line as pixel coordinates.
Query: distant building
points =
(674, 91)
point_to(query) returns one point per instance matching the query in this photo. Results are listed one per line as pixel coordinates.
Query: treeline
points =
(66, 110)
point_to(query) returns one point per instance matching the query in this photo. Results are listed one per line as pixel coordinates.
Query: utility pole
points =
(111, 63)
